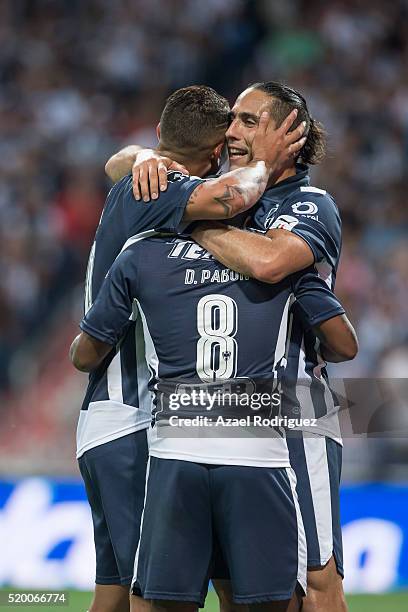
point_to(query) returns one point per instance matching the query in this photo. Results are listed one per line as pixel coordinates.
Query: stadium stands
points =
(81, 79)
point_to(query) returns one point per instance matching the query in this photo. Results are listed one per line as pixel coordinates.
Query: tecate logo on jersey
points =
(188, 250)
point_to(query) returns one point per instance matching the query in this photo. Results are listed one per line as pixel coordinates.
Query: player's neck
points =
(195, 168)
(286, 174)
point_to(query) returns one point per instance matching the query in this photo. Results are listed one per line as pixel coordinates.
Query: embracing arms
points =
(273, 150)
(267, 258)
(337, 335)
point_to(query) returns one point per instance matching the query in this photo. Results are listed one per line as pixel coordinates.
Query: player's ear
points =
(158, 131)
(216, 154)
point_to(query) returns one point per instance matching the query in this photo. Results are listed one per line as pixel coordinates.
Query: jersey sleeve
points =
(314, 217)
(164, 214)
(314, 301)
(111, 313)
(124, 218)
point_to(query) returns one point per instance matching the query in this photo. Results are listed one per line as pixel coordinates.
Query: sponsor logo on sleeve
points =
(270, 216)
(174, 176)
(285, 222)
(305, 208)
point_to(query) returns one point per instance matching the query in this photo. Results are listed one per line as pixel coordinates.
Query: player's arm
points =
(338, 338)
(238, 190)
(268, 258)
(120, 164)
(148, 168)
(106, 322)
(320, 310)
(304, 232)
(277, 148)
(87, 353)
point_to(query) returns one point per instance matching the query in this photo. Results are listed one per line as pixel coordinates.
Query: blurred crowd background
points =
(79, 80)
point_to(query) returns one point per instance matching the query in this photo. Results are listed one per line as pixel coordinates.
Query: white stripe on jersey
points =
(114, 379)
(150, 351)
(302, 361)
(136, 238)
(105, 421)
(325, 272)
(303, 386)
(282, 342)
(88, 280)
(328, 424)
(114, 371)
(313, 190)
(319, 478)
(134, 579)
(302, 547)
(145, 396)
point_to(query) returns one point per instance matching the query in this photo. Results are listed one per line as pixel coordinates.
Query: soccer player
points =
(206, 325)
(302, 227)
(111, 436)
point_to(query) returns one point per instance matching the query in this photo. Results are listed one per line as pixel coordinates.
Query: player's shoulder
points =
(144, 240)
(310, 200)
(126, 256)
(177, 179)
(122, 186)
(179, 187)
(175, 176)
(120, 190)
(314, 194)
(126, 264)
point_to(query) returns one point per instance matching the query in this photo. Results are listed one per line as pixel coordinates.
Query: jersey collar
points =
(278, 192)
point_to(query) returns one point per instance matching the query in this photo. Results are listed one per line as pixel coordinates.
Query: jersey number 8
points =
(217, 321)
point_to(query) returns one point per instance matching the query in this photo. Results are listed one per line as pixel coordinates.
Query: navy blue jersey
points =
(187, 297)
(203, 323)
(120, 382)
(311, 214)
(124, 218)
(308, 212)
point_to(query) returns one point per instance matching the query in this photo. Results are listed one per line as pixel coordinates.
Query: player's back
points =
(204, 326)
(116, 402)
(210, 329)
(205, 321)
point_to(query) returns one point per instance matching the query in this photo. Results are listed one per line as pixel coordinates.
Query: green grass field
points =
(78, 602)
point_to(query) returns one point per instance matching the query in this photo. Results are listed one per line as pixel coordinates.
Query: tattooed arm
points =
(229, 195)
(272, 151)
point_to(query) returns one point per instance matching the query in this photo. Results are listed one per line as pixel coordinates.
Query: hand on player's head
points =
(149, 174)
(278, 147)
